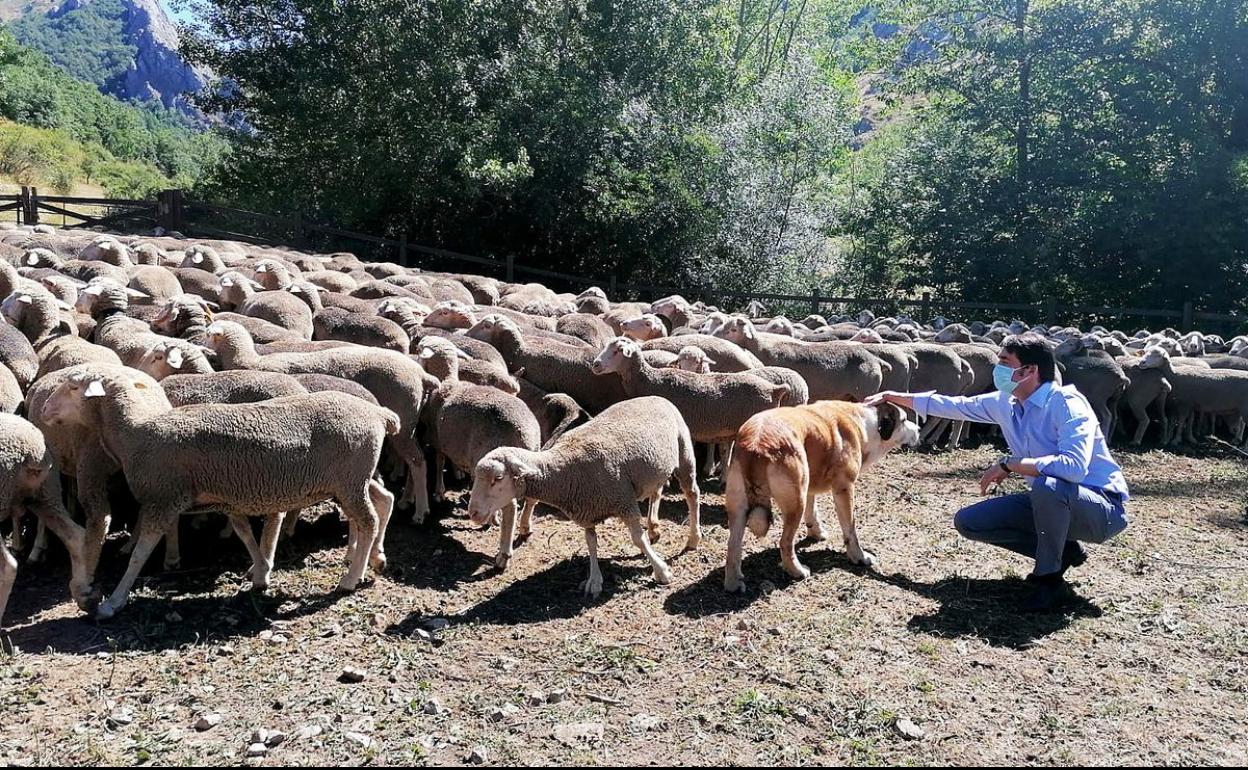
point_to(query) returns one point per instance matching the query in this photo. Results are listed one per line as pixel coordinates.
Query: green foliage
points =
(88, 42)
(1078, 150)
(1074, 149)
(34, 92)
(656, 139)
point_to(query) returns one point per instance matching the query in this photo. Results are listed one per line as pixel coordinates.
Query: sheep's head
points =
(939, 322)
(204, 258)
(867, 335)
(1154, 358)
(166, 358)
(74, 400)
(42, 258)
(713, 322)
(498, 480)
(670, 307)
(1113, 346)
(236, 288)
(592, 291)
(147, 254)
(693, 359)
(310, 293)
(755, 309)
(63, 288)
(955, 333)
(451, 314)
(444, 351)
(403, 310)
(779, 325)
(15, 307)
(104, 295)
(1092, 342)
(592, 305)
(814, 321)
(737, 330)
(866, 318)
(224, 336)
(619, 355)
(272, 275)
(1239, 347)
(108, 251)
(493, 327)
(643, 328)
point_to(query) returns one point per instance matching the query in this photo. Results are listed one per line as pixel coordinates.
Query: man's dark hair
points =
(1032, 350)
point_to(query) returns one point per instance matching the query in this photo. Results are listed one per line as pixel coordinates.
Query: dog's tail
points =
(762, 441)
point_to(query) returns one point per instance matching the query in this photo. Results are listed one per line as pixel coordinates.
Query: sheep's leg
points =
(526, 518)
(383, 503)
(360, 512)
(725, 458)
(592, 586)
(18, 540)
(506, 536)
(652, 518)
(240, 525)
(92, 483)
(814, 527)
(268, 550)
(289, 524)
(709, 468)
(1142, 422)
(844, 499)
(40, 548)
(955, 435)
(662, 573)
(226, 531)
(693, 500)
(153, 522)
(930, 428)
(439, 477)
(173, 549)
(8, 573)
(418, 491)
(737, 506)
(51, 514)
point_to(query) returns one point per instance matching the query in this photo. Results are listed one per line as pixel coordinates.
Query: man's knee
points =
(969, 521)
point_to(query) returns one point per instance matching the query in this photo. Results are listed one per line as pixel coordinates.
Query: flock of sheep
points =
(222, 377)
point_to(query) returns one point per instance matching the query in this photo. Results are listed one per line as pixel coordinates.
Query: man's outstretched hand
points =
(991, 478)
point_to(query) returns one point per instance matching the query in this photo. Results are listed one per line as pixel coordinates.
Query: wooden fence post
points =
(30, 206)
(299, 237)
(403, 250)
(511, 268)
(611, 284)
(1050, 311)
(814, 300)
(1189, 319)
(925, 310)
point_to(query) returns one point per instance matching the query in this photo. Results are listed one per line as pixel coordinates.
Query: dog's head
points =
(895, 430)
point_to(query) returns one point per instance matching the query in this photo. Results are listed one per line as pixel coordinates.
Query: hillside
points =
(59, 132)
(127, 48)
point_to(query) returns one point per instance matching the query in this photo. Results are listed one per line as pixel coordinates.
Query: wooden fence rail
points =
(173, 211)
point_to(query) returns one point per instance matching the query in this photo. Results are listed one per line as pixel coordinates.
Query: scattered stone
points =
(207, 722)
(225, 650)
(579, 733)
(360, 738)
(434, 707)
(766, 586)
(306, 732)
(502, 712)
(478, 756)
(351, 675)
(276, 738)
(173, 617)
(331, 630)
(908, 730)
(120, 717)
(536, 698)
(436, 624)
(743, 625)
(257, 750)
(556, 696)
(645, 722)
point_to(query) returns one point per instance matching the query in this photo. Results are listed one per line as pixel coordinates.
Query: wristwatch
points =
(1004, 463)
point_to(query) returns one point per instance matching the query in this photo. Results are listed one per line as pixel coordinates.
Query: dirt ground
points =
(1150, 666)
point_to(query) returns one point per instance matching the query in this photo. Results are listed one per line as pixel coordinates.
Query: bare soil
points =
(1149, 666)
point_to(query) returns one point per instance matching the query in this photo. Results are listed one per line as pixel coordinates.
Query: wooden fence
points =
(174, 211)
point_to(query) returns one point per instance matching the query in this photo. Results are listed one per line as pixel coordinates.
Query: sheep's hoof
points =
(797, 571)
(867, 560)
(105, 611)
(260, 584)
(378, 562)
(734, 585)
(501, 561)
(663, 576)
(347, 585)
(816, 533)
(36, 556)
(693, 542)
(654, 535)
(591, 587)
(522, 532)
(170, 566)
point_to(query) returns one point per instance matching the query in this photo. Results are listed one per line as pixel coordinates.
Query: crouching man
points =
(1078, 492)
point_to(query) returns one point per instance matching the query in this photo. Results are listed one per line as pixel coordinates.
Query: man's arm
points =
(932, 404)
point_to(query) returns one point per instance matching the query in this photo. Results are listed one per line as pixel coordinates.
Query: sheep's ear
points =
(25, 299)
(136, 294)
(262, 268)
(63, 305)
(461, 354)
(255, 285)
(227, 282)
(32, 260)
(294, 289)
(518, 372)
(140, 385)
(426, 353)
(95, 389)
(197, 259)
(174, 357)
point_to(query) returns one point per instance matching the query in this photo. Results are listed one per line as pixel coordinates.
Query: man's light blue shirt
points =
(1055, 426)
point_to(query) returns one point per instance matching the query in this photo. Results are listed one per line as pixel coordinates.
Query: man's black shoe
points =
(1049, 593)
